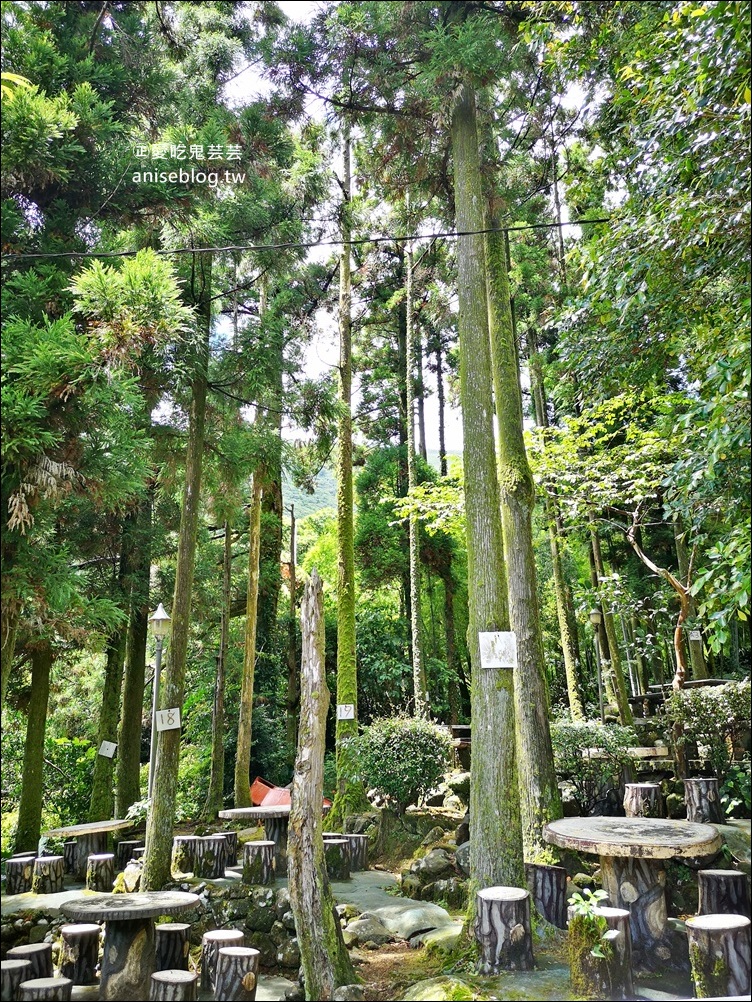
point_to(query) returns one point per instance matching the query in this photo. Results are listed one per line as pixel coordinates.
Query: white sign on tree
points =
(345, 711)
(498, 650)
(108, 749)
(168, 720)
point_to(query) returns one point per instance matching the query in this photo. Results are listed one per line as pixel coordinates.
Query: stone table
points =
(128, 960)
(632, 874)
(275, 820)
(90, 838)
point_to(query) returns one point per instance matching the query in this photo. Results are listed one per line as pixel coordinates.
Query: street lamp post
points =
(159, 627)
(595, 619)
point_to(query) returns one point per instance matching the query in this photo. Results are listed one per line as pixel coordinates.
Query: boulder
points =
(406, 919)
(367, 929)
(435, 865)
(262, 912)
(410, 885)
(349, 993)
(288, 955)
(453, 892)
(441, 990)
(459, 784)
(462, 857)
(357, 824)
(436, 834)
(268, 950)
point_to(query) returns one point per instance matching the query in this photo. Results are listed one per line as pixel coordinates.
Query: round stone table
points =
(128, 959)
(631, 851)
(275, 821)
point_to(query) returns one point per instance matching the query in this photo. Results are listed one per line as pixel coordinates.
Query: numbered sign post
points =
(498, 650)
(345, 711)
(108, 749)
(168, 720)
(695, 635)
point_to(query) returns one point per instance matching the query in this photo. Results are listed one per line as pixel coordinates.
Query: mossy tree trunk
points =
(245, 721)
(496, 855)
(292, 700)
(215, 794)
(616, 686)
(30, 807)
(161, 817)
(102, 801)
(325, 960)
(539, 789)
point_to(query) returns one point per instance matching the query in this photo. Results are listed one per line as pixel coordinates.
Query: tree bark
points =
(292, 699)
(719, 955)
(326, 963)
(47, 875)
(258, 862)
(30, 806)
(643, 800)
(161, 818)
(245, 722)
(100, 872)
(539, 790)
(215, 794)
(183, 859)
(211, 944)
(496, 855)
(102, 802)
(703, 800)
(18, 875)
(696, 651)
(211, 857)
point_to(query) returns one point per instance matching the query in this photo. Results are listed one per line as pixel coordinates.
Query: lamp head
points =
(595, 617)
(160, 623)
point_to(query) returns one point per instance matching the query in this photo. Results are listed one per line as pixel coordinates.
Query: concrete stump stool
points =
(55, 989)
(79, 954)
(18, 874)
(719, 955)
(211, 857)
(337, 856)
(12, 973)
(237, 974)
(258, 862)
(358, 852)
(69, 856)
(723, 892)
(502, 929)
(39, 955)
(173, 946)
(608, 976)
(548, 889)
(184, 854)
(174, 986)
(211, 944)
(124, 852)
(703, 800)
(100, 872)
(231, 838)
(643, 800)
(47, 875)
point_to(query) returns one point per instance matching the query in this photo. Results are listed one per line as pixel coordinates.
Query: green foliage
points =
(590, 924)
(736, 791)
(591, 757)
(712, 717)
(402, 758)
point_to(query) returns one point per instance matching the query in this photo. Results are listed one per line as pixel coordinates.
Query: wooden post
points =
(237, 974)
(258, 862)
(79, 952)
(211, 857)
(172, 946)
(502, 929)
(18, 875)
(643, 800)
(124, 853)
(337, 855)
(723, 892)
(548, 889)
(358, 852)
(12, 973)
(719, 954)
(47, 875)
(183, 854)
(38, 954)
(703, 800)
(56, 989)
(211, 944)
(325, 961)
(173, 986)
(608, 976)
(100, 872)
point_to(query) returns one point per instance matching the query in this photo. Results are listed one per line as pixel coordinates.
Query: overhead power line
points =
(302, 245)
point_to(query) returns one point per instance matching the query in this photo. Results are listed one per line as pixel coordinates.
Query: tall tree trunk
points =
(245, 721)
(420, 389)
(161, 817)
(350, 795)
(102, 800)
(9, 633)
(443, 466)
(496, 855)
(539, 789)
(612, 664)
(30, 807)
(451, 645)
(420, 695)
(293, 683)
(325, 960)
(696, 652)
(215, 794)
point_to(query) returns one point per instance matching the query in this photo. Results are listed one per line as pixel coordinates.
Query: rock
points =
(288, 921)
(675, 806)
(367, 929)
(405, 920)
(289, 954)
(462, 834)
(434, 865)
(262, 909)
(583, 880)
(453, 803)
(279, 934)
(426, 893)
(349, 993)
(356, 824)
(268, 950)
(459, 784)
(462, 857)
(295, 994)
(442, 940)
(436, 797)
(440, 990)
(347, 912)
(453, 892)
(436, 834)
(410, 885)
(38, 932)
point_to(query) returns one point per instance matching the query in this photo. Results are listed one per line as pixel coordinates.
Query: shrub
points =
(713, 717)
(402, 758)
(736, 792)
(593, 777)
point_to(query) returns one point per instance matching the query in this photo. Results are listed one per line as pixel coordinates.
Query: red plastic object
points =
(278, 796)
(259, 789)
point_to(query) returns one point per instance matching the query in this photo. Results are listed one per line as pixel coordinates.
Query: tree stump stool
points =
(184, 854)
(173, 946)
(601, 977)
(337, 856)
(100, 872)
(18, 872)
(79, 953)
(88, 845)
(548, 889)
(124, 853)
(358, 852)
(47, 875)
(38, 954)
(12, 973)
(211, 944)
(231, 838)
(57, 989)
(502, 929)
(703, 800)
(258, 862)
(211, 857)
(174, 986)
(719, 955)
(237, 974)
(643, 800)
(69, 856)
(723, 892)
